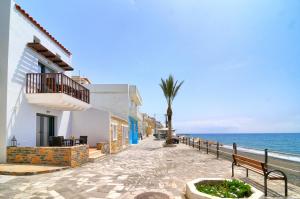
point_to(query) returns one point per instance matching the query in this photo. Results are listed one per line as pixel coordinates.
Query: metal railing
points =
(292, 169)
(205, 145)
(56, 83)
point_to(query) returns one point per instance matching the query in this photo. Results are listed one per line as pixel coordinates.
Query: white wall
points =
(113, 98)
(93, 123)
(5, 9)
(20, 115)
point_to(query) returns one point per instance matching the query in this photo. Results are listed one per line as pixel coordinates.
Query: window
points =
(125, 131)
(114, 132)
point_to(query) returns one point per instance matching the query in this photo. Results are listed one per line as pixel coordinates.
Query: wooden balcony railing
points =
(56, 83)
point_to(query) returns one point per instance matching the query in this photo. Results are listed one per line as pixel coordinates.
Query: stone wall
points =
(59, 156)
(79, 155)
(117, 145)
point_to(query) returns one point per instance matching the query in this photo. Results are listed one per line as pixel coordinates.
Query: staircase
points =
(96, 155)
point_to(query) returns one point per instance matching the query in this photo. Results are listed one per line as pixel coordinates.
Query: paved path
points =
(27, 169)
(141, 168)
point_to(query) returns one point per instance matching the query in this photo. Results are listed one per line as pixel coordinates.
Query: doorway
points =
(44, 129)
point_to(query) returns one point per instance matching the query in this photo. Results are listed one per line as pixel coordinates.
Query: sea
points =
(281, 145)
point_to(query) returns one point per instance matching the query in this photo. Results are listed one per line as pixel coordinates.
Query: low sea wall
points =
(59, 156)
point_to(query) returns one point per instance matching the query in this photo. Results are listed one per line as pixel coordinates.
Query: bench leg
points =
(285, 187)
(232, 170)
(266, 185)
(247, 173)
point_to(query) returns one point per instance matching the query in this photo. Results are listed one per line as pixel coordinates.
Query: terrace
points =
(56, 90)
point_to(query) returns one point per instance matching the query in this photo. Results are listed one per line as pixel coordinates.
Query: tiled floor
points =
(141, 168)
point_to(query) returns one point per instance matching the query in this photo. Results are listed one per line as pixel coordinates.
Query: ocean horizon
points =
(287, 143)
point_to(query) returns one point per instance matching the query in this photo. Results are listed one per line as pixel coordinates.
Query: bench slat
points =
(247, 159)
(250, 162)
(276, 178)
(257, 166)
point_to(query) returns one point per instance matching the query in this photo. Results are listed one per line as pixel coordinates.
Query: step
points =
(96, 156)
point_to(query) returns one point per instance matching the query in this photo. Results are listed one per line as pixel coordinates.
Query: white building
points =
(101, 127)
(37, 96)
(122, 100)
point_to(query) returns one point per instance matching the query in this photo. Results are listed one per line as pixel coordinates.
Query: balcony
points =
(57, 91)
(135, 95)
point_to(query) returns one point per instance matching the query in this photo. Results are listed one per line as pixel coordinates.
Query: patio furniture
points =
(76, 141)
(83, 139)
(68, 142)
(50, 141)
(71, 142)
(58, 141)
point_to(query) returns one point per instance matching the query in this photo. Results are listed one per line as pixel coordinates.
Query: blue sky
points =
(240, 59)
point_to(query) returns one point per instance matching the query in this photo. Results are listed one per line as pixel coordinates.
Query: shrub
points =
(226, 189)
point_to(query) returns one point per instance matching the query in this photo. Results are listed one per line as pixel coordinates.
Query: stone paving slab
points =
(27, 169)
(146, 167)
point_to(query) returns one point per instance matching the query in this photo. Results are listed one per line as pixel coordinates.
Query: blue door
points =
(133, 133)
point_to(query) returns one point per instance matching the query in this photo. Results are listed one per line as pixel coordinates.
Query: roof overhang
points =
(41, 49)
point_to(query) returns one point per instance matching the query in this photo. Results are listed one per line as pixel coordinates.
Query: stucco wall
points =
(20, 117)
(122, 100)
(93, 123)
(113, 98)
(5, 8)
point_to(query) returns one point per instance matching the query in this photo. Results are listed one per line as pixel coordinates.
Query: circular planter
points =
(193, 193)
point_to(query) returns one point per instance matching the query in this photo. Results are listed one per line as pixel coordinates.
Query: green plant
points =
(170, 89)
(226, 189)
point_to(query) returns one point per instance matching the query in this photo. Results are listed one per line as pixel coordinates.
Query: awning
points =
(38, 47)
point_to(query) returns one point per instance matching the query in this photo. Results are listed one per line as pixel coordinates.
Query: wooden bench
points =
(260, 168)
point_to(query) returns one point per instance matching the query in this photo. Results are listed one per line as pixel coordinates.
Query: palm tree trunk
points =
(170, 130)
(169, 113)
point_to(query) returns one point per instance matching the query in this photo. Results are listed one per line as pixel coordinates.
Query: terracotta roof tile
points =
(26, 15)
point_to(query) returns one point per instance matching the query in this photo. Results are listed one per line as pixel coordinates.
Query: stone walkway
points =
(27, 169)
(147, 167)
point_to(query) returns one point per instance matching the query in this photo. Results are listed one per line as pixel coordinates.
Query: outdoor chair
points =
(68, 142)
(83, 139)
(50, 141)
(58, 141)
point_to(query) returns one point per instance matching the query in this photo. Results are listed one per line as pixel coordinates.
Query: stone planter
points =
(193, 193)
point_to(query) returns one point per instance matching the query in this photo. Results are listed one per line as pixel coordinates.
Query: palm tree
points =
(170, 89)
